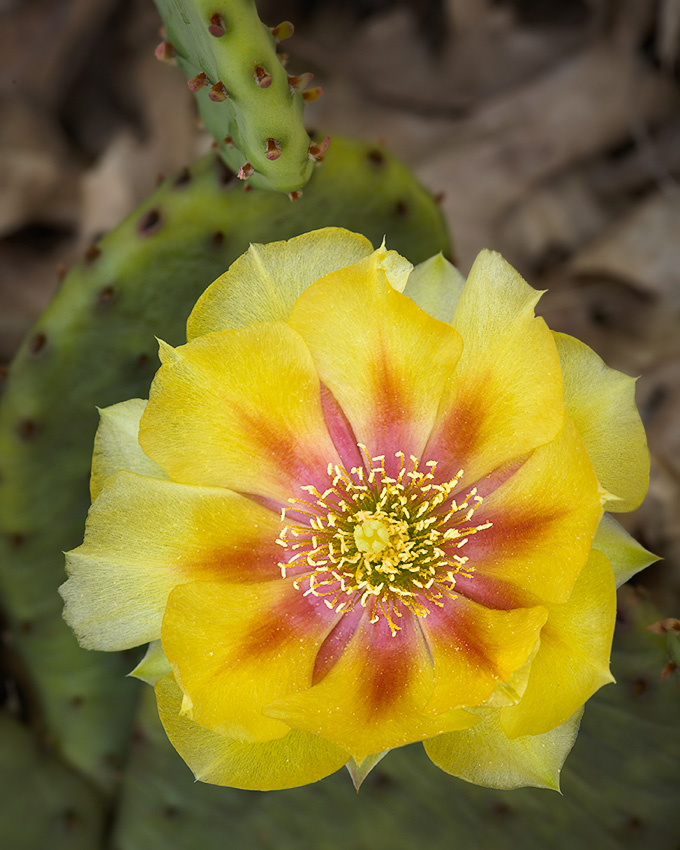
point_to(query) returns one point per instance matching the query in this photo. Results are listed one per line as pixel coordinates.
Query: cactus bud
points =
(273, 149)
(218, 92)
(284, 30)
(198, 82)
(262, 77)
(165, 52)
(300, 83)
(316, 152)
(313, 94)
(217, 26)
(245, 171)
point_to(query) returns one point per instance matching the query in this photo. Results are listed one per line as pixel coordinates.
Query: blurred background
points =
(549, 131)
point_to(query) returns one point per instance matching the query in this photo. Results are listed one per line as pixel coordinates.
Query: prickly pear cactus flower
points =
(362, 507)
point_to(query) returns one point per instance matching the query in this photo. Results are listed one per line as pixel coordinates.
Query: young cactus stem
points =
(230, 59)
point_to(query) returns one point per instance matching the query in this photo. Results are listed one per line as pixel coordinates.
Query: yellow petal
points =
(601, 401)
(264, 283)
(373, 698)
(145, 535)
(474, 648)
(240, 409)
(384, 360)
(543, 521)
(435, 285)
(505, 397)
(297, 758)
(116, 445)
(486, 756)
(153, 666)
(573, 657)
(624, 553)
(236, 648)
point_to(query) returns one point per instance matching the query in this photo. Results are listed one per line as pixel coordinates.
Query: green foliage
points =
(44, 804)
(245, 96)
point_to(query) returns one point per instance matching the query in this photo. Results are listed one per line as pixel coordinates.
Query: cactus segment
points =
(620, 787)
(94, 346)
(44, 804)
(242, 89)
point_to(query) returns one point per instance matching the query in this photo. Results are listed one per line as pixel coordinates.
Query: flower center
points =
(386, 543)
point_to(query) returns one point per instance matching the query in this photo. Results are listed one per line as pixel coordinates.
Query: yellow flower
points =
(363, 507)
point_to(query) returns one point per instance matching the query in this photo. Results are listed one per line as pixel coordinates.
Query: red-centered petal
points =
(474, 649)
(505, 397)
(235, 648)
(297, 758)
(374, 696)
(240, 409)
(543, 521)
(572, 661)
(383, 358)
(146, 535)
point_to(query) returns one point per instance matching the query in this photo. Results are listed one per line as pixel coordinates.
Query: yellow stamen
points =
(381, 542)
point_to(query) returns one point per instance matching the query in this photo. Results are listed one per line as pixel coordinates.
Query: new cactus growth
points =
(95, 345)
(246, 98)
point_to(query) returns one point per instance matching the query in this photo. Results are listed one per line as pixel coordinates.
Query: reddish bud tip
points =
(317, 151)
(247, 187)
(284, 30)
(296, 195)
(228, 141)
(262, 77)
(165, 51)
(301, 82)
(218, 92)
(245, 171)
(273, 149)
(668, 670)
(311, 95)
(198, 82)
(217, 26)
(92, 253)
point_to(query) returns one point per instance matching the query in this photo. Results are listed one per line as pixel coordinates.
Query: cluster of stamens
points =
(386, 543)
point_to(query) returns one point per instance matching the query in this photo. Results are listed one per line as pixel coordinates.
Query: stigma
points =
(391, 544)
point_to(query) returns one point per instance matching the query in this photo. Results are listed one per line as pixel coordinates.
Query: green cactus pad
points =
(95, 345)
(43, 803)
(244, 94)
(620, 787)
